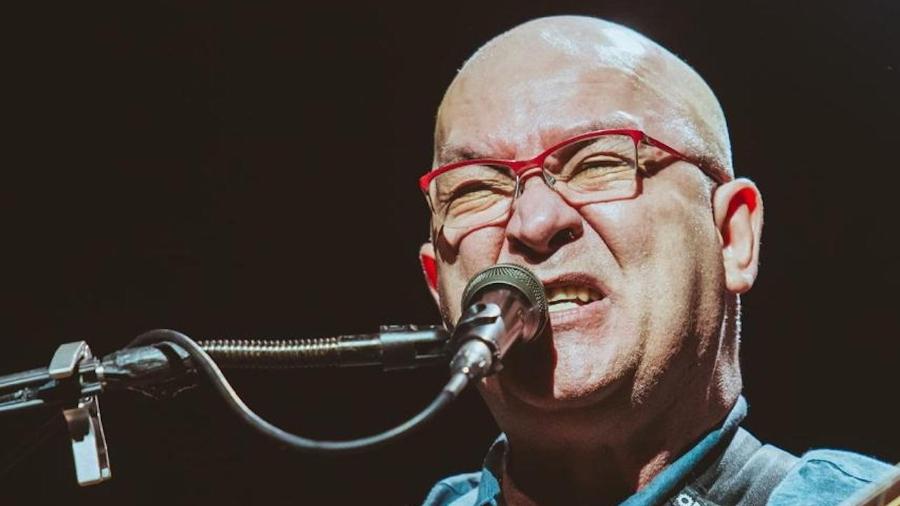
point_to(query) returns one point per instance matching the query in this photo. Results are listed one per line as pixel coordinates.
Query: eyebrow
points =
(556, 136)
(451, 153)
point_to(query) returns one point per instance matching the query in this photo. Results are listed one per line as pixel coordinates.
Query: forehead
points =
(516, 118)
(539, 84)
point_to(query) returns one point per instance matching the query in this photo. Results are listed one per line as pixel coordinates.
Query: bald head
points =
(556, 67)
(665, 253)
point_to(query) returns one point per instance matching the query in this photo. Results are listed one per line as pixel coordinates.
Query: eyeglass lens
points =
(592, 170)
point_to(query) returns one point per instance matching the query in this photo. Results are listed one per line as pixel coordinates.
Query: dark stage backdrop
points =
(251, 170)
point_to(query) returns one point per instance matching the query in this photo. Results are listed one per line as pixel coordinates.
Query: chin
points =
(587, 359)
(563, 395)
(565, 373)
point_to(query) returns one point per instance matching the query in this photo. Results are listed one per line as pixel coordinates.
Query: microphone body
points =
(504, 304)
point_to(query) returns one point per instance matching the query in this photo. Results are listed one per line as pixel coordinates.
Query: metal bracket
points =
(483, 322)
(476, 315)
(85, 427)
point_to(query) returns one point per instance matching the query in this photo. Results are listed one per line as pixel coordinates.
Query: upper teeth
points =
(566, 293)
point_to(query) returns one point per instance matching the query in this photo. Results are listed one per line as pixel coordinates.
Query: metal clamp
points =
(85, 427)
(484, 323)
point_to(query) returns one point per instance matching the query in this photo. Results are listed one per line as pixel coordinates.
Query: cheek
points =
(669, 223)
(623, 226)
(664, 243)
(476, 251)
(480, 249)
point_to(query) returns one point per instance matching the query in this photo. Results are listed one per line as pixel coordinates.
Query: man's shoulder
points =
(819, 477)
(823, 477)
(458, 490)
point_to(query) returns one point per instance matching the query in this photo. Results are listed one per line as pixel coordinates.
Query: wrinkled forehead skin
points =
(542, 78)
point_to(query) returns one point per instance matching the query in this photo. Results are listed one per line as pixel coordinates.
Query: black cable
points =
(203, 362)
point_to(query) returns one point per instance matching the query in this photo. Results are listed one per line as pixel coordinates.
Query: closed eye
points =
(469, 188)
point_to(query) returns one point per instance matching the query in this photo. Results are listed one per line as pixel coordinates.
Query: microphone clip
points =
(477, 340)
(482, 321)
(74, 362)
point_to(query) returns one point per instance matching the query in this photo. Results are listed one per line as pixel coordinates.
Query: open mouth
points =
(561, 298)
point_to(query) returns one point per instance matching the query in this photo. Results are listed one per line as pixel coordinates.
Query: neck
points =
(605, 454)
(606, 466)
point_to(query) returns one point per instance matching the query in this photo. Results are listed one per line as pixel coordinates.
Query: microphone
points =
(503, 305)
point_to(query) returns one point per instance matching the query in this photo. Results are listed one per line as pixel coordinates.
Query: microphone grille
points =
(516, 276)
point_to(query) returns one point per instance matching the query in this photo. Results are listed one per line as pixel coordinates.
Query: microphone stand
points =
(505, 304)
(159, 360)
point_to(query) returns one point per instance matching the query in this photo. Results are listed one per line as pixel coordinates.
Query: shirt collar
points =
(492, 469)
(661, 487)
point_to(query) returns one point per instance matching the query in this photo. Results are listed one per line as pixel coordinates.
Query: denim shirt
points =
(820, 477)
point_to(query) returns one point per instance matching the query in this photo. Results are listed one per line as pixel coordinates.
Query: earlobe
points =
(738, 212)
(429, 269)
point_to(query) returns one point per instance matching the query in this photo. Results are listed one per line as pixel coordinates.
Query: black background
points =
(251, 170)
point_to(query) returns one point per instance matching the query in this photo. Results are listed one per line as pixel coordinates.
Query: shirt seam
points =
(453, 488)
(840, 469)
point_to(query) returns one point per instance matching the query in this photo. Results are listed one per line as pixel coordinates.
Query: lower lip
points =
(563, 320)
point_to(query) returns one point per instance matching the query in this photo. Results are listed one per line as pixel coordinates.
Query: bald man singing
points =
(599, 160)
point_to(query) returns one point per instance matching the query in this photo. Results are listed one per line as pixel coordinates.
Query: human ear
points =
(429, 269)
(738, 213)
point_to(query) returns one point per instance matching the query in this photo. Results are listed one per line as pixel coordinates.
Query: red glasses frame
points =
(520, 166)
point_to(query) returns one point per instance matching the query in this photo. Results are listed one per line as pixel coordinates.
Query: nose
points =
(541, 221)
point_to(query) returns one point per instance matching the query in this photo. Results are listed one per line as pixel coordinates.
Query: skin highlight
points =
(623, 385)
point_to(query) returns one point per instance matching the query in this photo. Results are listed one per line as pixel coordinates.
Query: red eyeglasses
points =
(590, 168)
